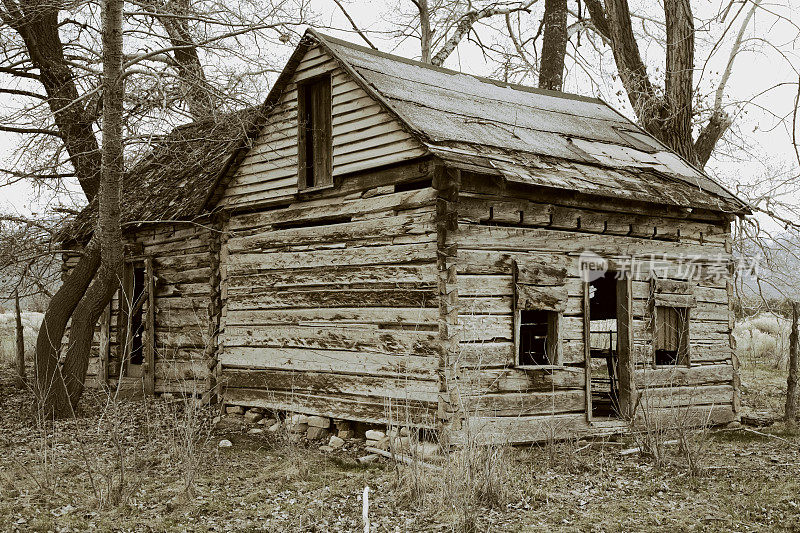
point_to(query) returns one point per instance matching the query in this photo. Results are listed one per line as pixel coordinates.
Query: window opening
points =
(314, 133)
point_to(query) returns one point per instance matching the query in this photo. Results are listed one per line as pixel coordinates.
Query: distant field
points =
(762, 344)
(30, 324)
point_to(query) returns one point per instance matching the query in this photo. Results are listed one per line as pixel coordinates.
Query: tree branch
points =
(468, 20)
(355, 26)
(598, 15)
(720, 121)
(35, 131)
(18, 92)
(18, 73)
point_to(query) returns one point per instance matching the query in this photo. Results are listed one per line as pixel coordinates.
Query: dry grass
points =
(124, 463)
(257, 484)
(30, 324)
(763, 340)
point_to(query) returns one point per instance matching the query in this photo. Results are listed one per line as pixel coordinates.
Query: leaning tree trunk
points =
(792, 384)
(554, 45)
(49, 384)
(108, 226)
(20, 342)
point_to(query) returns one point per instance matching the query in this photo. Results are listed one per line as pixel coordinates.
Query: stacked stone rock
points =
(332, 431)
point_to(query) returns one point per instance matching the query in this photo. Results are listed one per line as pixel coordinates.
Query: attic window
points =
(314, 133)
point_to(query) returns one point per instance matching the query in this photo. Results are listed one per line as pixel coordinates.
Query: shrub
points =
(763, 339)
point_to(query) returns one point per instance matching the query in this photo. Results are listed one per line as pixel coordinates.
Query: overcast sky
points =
(766, 62)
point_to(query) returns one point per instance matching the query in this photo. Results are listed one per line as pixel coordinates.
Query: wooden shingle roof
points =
(172, 181)
(528, 135)
(525, 135)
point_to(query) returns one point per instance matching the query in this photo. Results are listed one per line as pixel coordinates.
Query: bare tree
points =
(668, 113)
(108, 228)
(166, 81)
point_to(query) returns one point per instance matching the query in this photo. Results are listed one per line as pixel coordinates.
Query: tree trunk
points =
(37, 23)
(793, 381)
(554, 45)
(198, 93)
(679, 85)
(49, 386)
(20, 343)
(425, 30)
(667, 117)
(108, 227)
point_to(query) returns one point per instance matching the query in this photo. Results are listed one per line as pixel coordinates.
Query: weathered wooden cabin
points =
(386, 241)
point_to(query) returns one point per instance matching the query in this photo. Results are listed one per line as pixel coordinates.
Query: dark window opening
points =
(137, 323)
(413, 185)
(603, 297)
(314, 223)
(671, 336)
(533, 337)
(314, 133)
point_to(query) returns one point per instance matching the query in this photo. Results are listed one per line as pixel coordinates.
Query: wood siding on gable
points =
(364, 136)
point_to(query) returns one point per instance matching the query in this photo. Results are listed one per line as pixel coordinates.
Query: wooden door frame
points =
(123, 315)
(148, 323)
(625, 355)
(626, 368)
(149, 341)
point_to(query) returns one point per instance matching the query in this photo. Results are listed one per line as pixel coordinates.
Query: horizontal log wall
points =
(182, 266)
(496, 227)
(330, 304)
(364, 136)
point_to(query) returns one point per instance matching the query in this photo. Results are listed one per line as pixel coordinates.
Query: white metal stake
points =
(365, 509)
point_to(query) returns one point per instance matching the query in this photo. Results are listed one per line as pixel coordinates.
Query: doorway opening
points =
(604, 346)
(136, 356)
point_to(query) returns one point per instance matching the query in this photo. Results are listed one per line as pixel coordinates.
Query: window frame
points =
(321, 167)
(540, 287)
(683, 350)
(553, 341)
(678, 295)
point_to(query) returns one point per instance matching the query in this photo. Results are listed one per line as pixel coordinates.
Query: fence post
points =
(792, 391)
(20, 360)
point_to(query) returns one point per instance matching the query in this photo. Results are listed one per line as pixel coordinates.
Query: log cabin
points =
(386, 241)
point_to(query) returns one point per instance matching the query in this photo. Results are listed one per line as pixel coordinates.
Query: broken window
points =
(538, 337)
(540, 297)
(314, 133)
(671, 335)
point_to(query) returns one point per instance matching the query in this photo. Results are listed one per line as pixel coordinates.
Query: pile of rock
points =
(333, 433)
(399, 441)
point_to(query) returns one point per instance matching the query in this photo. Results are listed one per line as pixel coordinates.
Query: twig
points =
(790, 443)
(638, 449)
(403, 458)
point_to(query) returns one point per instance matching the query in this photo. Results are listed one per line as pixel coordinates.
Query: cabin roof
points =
(525, 135)
(172, 181)
(529, 135)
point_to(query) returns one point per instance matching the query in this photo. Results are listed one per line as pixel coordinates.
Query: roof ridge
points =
(509, 85)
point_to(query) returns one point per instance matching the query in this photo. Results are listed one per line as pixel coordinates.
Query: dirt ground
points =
(125, 467)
